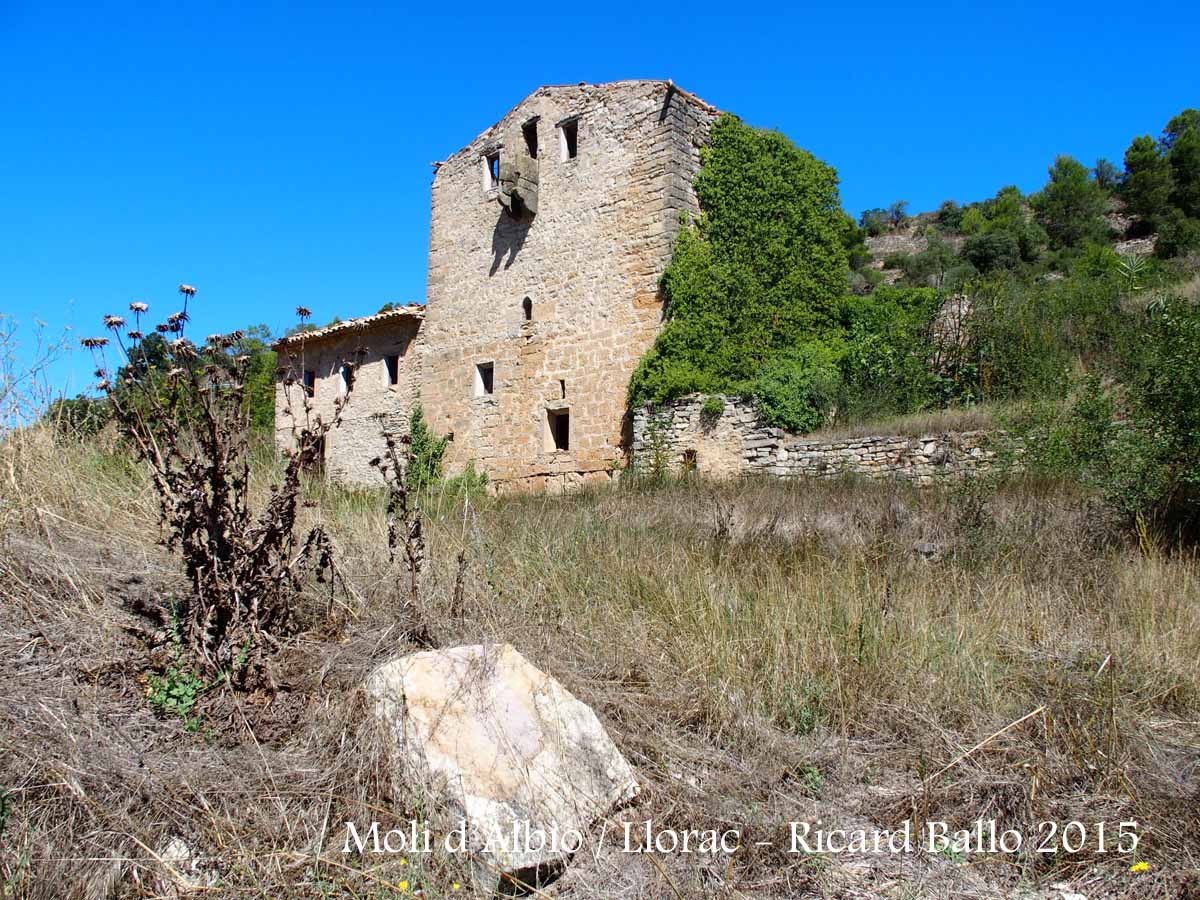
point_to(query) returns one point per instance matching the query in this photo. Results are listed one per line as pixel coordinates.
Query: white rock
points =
(501, 743)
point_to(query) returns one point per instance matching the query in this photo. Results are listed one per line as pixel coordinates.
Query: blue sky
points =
(278, 154)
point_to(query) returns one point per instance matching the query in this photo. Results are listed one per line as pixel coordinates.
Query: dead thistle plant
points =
(182, 408)
(405, 527)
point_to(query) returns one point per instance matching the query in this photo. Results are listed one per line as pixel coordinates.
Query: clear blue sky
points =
(279, 154)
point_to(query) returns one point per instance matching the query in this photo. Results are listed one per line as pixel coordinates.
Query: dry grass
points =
(761, 651)
(963, 418)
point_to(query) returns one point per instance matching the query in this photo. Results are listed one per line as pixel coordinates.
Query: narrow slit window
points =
(558, 426)
(529, 130)
(491, 171)
(392, 364)
(527, 309)
(485, 379)
(309, 382)
(569, 132)
(347, 378)
(562, 388)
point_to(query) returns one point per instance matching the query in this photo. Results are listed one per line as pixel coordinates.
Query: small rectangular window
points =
(569, 134)
(529, 129)
(347, 378)
(558, 428)
(310, 382)
(485, 379)
(393, 369)
(491, 171)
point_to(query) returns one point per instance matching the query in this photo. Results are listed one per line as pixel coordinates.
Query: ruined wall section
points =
(589, 261)
(680, 436)
(374, 403)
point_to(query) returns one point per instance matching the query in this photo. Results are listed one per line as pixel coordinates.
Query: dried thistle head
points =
(134, 335)
(114, 322)
(138, 307)
(178, 318)
(162, 328)
(187, 290)
(303, 312)
(94, 343)
(184, 348)
(213, 340)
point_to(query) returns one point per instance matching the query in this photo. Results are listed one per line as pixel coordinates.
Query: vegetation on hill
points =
(774, 294)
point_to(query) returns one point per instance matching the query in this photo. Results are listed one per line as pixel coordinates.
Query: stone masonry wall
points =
(737, 442)
(589, 261)
(374, 403)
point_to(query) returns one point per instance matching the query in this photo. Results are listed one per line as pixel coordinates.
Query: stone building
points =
(378, 356)
(548, 235)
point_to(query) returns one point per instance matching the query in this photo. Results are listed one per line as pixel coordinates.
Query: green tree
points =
(1147, 184)
(1071, 206)
(1107, 175)
(1188, 120)
(992, 250)
(898, 213)
(875, 221)
(1184, 160)
(762, 272)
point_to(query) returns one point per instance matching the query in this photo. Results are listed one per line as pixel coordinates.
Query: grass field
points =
(762, 652)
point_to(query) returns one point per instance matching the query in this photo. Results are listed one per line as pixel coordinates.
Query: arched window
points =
(527, 307)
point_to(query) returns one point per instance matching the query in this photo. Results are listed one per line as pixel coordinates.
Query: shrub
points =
(992, 250)
(798, 390)
(875, 221)
(712, 407)
(950, 215)
(1140, 446)
(426, 450)
(1177, 235)
(885, 362)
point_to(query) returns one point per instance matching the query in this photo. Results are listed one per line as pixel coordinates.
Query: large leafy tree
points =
(761, 273)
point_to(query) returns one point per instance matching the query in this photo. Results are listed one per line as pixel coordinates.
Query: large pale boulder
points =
(506, 747)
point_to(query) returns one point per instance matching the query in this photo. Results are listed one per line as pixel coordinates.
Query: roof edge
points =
(362, 323)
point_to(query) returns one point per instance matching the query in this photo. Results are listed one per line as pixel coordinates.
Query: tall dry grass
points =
(759, 649)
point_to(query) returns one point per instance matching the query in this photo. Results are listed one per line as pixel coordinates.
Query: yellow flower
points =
(404, 862)
(1142, 866)
(454, 886)
(403, 885)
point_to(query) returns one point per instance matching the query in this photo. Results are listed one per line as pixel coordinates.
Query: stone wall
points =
(682, 436)
(585, 240)
(374, 404)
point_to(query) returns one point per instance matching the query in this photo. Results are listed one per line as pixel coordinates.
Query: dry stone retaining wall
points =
(682, 436)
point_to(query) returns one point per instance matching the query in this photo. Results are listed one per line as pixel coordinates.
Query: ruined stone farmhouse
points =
(549, 233)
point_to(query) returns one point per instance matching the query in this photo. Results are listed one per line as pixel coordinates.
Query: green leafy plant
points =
(712, 408)
(175, 693)
(761, 272)
(426, 451)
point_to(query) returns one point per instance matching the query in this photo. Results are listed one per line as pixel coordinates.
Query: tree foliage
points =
(1071, 206)
(758, 276)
